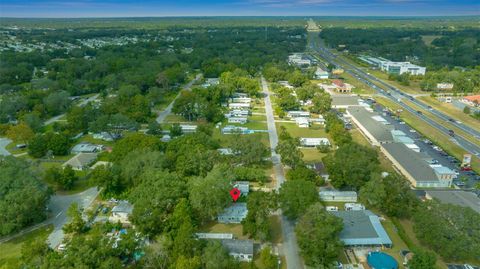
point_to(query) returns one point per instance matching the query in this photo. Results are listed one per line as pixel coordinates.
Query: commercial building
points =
(362, 228)
(314, 142)
(416, 169)
(472, 100)
(321, 74)
(342, 87)
(234, 213)
(332, 195)
(375, 131)
(397, 68)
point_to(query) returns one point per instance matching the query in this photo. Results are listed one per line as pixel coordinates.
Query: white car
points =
(412, 131)
(402, 122)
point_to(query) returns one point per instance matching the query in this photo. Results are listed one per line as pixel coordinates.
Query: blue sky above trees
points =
(129, 8)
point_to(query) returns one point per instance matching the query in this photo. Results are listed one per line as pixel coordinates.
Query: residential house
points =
(234, 213)
(298, 114)
(320, 120)
(444, 86)
(314, 141)
(225, 151)
(302, 122)
(332, 195)
(86, 147)
(214, 235)
(245, 100)
(188, 129)
(319, 169)
(241, 106)
(354, 207)
(241, 120)
(230, 129)
(106, 136)
(121, 212)
(81, 161)
(241, 250)
(243, 187)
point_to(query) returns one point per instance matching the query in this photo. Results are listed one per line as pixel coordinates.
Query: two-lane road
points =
(290, 246)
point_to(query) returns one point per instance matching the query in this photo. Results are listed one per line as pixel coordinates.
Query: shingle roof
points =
(238, 246)
(362, 228)
(81, 159)
(123, 206)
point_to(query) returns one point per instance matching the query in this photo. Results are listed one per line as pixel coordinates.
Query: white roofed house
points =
(121, 212)
(314, 142)
(241, 106)
(331, 195)
(298, 114)
(81, 161)
(188, 129)
(234, 213)
(245, 100)
(243, 186)
(241, 120)
(302, 122)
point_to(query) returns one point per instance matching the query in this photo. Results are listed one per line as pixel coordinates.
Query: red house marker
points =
(235, 193)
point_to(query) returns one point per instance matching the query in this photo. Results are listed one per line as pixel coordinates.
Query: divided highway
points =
(396, 95)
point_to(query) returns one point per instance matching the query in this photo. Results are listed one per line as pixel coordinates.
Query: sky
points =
(162, 8)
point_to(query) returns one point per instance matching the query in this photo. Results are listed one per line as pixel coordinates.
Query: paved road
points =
(163, 114)
(3, 144)
(59, 205)
(290, 246)
(395, 95)
(82, 103)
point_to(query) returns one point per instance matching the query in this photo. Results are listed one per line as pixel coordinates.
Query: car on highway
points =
(412, 131)
(451, 133)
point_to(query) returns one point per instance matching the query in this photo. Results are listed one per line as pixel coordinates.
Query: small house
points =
(242, 106)
(241, 250)
(319, 169)
(243, 186)
(314, 142)
(240, 120)
(86, 147)
(354, 207)
(214, 235)
(331, 195)
(188, 129)
(302, 122)
(121, 212)
(298, 114)
(81, 161)
(245, 100)
(234, 213)
(225, 151)
(106, 136)
(230, 129)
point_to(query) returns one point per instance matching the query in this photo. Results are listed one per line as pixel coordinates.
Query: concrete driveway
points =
(59, 205)
(3, 144)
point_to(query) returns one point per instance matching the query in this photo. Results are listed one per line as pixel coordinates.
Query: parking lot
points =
(470, 178)
(461, 266)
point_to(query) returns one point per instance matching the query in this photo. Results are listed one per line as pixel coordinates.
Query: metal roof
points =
(362, 228)
(411, 161)
(381, 132)
(238, 246)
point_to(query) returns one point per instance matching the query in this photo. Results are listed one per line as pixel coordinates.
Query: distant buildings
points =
(320, 74)
(233, 214)
(362, 228)
(299, 59)
(397, 68)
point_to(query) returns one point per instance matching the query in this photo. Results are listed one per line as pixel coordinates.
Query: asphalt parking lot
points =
(461, 266)
(444, 159)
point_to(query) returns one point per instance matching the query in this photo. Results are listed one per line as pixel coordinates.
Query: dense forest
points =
(432, 48)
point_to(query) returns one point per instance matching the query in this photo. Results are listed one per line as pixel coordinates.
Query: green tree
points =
(318, 237)
(176, 130)
(23, 195)
(322, 102)
(268, 260)
(134, 142)
(392, 195)
(215, 256)
(351, 165)
(210, 195)
(296, 196)
(154, 128)
(248, 150)
(104, 177)
(422, 259)
(260, 205)
(467, 110)
(297, 79)
(290, 153)
(302, 172)
(20, 132)
(76, 224)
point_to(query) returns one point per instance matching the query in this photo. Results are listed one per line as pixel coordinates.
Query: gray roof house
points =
(81, 161)
(362, 228)
(86, 147)
(241, 250)
(234, 213)
(121, 212)
(243, 186)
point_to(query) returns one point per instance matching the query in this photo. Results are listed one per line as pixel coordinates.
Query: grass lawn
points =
(215, 227)
(451, 111)
(398, 243)
(312, 155)
(11, 250)
(295, 131)
(360, 87)
(12, 148)
(437, 137)
(413, 88)
(175, 118)
(358, 137)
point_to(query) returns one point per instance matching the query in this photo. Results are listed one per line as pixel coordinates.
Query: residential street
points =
(163, 114)
(82, 103)
(59, 205)
(290, 247)
(3, 144)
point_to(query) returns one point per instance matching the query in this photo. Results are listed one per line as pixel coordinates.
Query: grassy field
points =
(295, 131)
(437, 137)
(11, 250)
(312, 155)
(451, 111)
